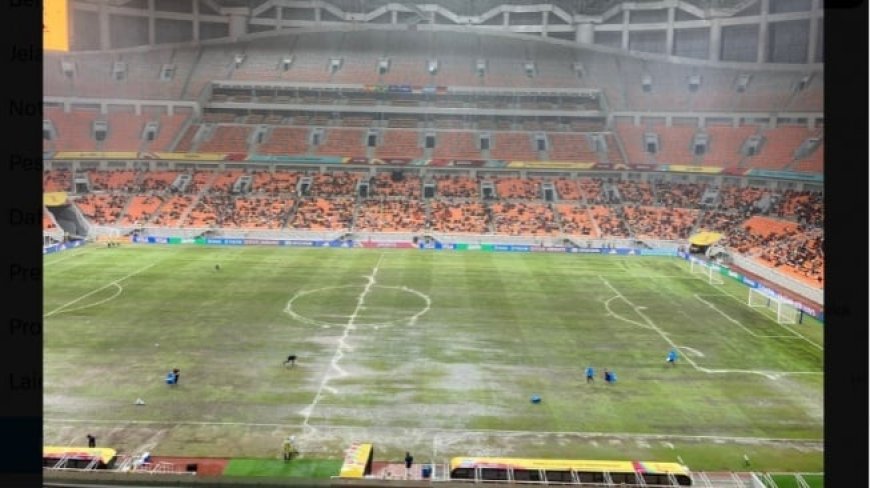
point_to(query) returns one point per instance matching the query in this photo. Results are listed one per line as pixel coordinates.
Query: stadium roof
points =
(473, 7)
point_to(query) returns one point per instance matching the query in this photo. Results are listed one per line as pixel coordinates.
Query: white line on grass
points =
(120, 289)
(630, 321)
(115, 282)
(798, 334)
(769, 374)
(440, 429)
(307, 411)
(734, 321)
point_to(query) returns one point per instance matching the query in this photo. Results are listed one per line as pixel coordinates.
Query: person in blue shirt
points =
(590, 374)
(672, 357)
(609, 377)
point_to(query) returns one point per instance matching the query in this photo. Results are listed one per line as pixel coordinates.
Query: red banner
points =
(388, 244)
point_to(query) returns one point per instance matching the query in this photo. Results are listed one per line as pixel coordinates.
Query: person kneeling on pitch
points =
(290, 447)
(291, 360)
(672, 357)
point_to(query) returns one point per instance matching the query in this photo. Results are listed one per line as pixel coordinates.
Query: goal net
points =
(786, 312)
(709, 271)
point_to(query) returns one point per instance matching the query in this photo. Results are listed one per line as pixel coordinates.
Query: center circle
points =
(339, 306)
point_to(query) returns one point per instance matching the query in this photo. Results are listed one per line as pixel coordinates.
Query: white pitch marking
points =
(739, 324)
(120, 289)
(773, 375)
(342, 345)
(614, 314)
(49, 314)
(693, 351)
(387, 322)
(739, 300)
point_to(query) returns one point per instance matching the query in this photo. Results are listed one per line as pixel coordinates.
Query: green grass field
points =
(277, 468)
(436, 352)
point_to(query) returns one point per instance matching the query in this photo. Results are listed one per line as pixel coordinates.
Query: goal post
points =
(785, 310)
(710, 271)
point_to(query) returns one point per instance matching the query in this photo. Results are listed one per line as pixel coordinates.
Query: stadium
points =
(396, 243)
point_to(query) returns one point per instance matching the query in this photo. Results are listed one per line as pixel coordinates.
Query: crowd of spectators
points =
(635, 192)
(102, 209)
(683, 195)
(324, 214)
(660, 222)
(664, 210)
(457, 186)
(56, 180)
(804, 206)
(459, 217)
(524, 219)
(378, 215)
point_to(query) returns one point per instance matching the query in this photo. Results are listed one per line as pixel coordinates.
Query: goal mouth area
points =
(711, 272)
(786, 311)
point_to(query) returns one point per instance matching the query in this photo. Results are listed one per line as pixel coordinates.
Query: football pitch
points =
(433, 352)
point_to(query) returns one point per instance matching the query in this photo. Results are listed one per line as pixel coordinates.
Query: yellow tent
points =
(705, 238)
(54, 199)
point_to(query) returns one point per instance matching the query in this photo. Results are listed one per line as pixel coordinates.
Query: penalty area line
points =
(111, 283)
(773, 375)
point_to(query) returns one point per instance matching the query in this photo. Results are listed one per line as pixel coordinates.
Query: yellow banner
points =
(54, 199)
(356, 460)
(680, 168)
(55, 25)
(550, 164)
(95, 155)
(191, 156)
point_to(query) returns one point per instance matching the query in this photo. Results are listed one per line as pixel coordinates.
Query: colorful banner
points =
(62, 247)
(223, 241)
(787, 175)
(734, 171)
(95, 155)
(682, 168)
(290, 159)
(186, 156)
(390, 161)
(550, 164)
(387, 244)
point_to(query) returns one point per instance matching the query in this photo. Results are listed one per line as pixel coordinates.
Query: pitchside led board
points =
(55, 25)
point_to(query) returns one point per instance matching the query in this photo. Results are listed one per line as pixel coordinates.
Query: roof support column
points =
(103, 17)
(763, 32)
(584, 33)
(195, 29)
(625, 16)
(814, 32)
(152, 30)
(715, 40)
